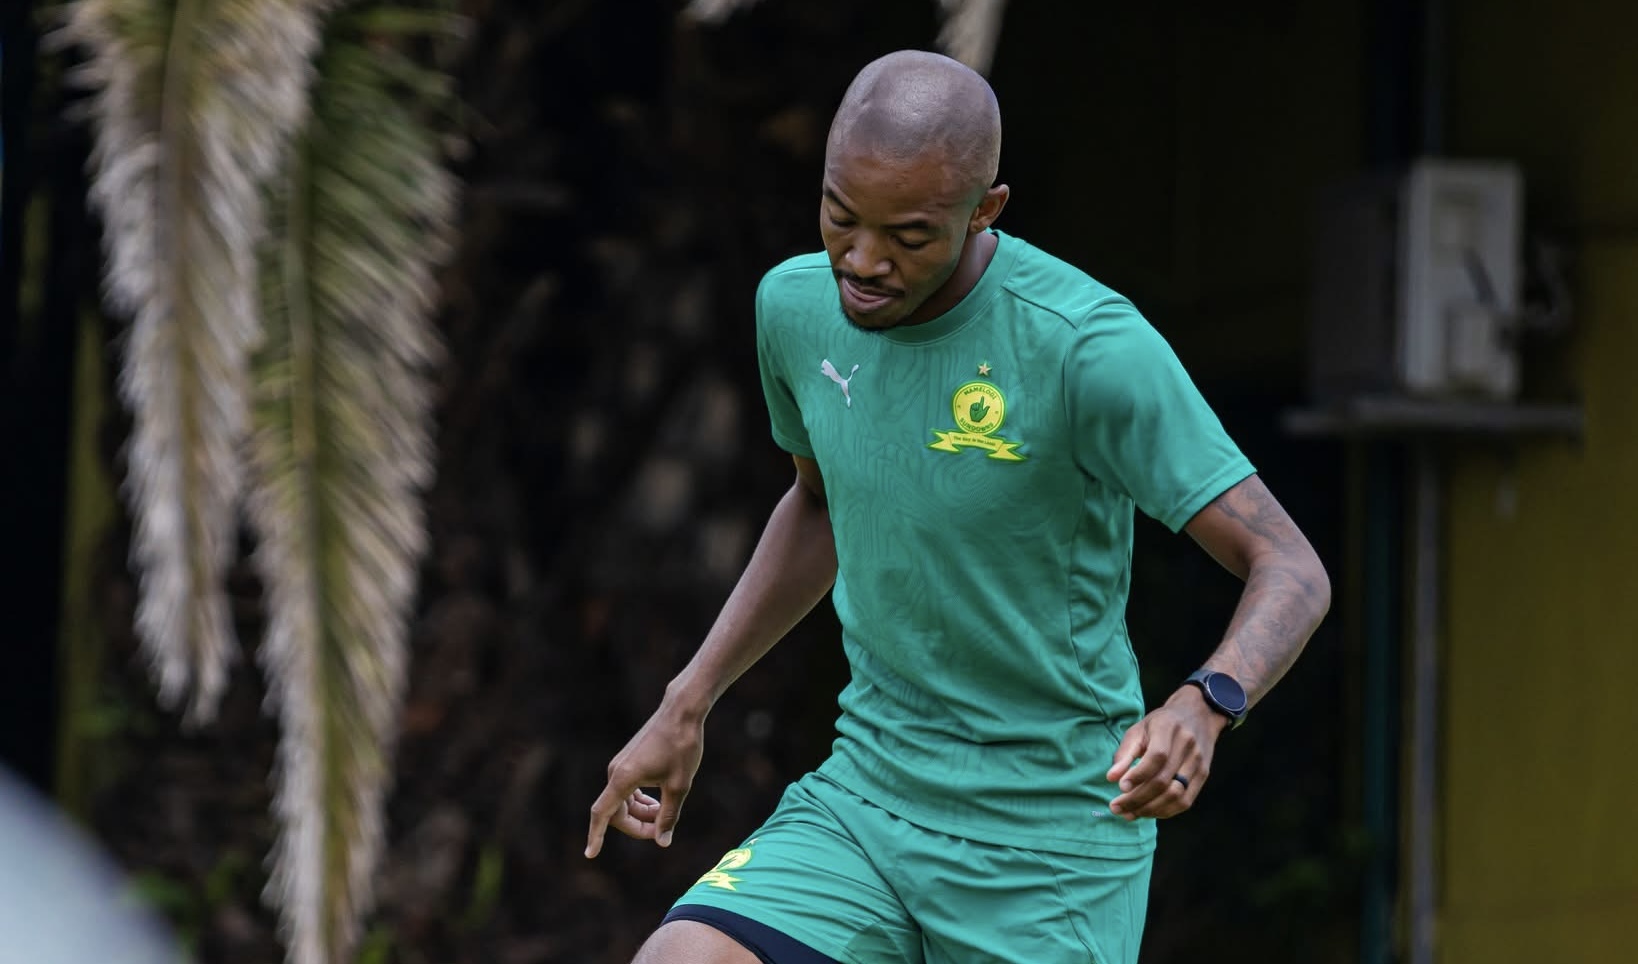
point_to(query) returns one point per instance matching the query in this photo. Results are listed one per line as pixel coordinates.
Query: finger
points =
(1131, 747)
(1148, 798)
(1150, 778)
(1196, 773)
(1157, 756)
(632, 825)
(643, 807)
(1175, 795)
(1137, 801)
(609, 803)
(1191, 793)
(631, 818)
(671, 803)
(1170, 802)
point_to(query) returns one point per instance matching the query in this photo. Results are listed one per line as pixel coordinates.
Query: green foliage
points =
(376, 948)
(189, 908)
(487, 880)
(167, 895)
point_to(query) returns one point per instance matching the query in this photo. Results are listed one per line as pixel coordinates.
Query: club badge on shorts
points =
(719, 875)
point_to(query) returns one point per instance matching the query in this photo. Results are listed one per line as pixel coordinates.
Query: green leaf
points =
(377, 946)
(487, 880)
(401, 22)
(168, 896)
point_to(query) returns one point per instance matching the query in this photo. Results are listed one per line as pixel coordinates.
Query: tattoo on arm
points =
(1286, 594)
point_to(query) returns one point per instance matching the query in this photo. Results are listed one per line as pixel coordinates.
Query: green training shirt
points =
(981, 471)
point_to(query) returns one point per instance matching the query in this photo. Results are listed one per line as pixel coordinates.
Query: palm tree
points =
(273, 204)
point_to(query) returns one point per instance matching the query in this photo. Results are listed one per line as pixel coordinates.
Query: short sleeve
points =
(789, 431)
(1140, 424)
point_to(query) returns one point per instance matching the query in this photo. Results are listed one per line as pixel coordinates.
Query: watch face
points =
(1228, 693)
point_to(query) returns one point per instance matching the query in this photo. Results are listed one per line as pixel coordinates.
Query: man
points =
(973, 422)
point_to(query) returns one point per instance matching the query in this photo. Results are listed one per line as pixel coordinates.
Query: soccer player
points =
(973, 422)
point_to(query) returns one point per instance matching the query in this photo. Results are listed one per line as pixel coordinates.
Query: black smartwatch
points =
(1223, 694)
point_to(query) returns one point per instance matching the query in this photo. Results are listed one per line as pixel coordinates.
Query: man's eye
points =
(839, 222)
(912, 245)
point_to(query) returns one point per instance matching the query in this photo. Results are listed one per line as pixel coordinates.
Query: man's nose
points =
(866, 259)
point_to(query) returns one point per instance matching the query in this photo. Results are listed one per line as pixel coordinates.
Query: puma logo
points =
(835, 376)
(977, 410)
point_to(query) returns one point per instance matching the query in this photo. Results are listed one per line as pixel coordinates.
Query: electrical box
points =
(1417, 284)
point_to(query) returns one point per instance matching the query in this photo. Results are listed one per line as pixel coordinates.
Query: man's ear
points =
(989, 208)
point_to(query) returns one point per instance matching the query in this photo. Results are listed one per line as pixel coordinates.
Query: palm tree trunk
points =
(92, 512)
(46, 248)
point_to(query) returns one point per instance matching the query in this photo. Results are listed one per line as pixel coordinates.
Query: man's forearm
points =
(794, 565)
(1285, 598)
(1286, 590)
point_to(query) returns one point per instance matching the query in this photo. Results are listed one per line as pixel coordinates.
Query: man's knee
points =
(690, 942)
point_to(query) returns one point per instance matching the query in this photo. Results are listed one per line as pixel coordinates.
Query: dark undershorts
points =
(769, 946)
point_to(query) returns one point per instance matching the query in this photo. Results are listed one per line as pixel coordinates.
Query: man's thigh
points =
(804, 877)
(690, 942)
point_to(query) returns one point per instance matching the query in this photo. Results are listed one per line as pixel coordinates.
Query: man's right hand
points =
(665, 753)
(794, 565)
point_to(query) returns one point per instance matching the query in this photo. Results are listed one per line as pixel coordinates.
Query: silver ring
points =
(1180, 778)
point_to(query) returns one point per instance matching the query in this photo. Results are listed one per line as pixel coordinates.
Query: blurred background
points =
(453, 300)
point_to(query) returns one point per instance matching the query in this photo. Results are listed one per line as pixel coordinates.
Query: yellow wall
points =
(1540, 803)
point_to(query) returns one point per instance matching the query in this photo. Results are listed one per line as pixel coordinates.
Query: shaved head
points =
(915, 105)
(909, 190)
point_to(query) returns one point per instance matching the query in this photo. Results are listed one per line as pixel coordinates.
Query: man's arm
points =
(794, 565)
(1287, 591)
(1286, 595)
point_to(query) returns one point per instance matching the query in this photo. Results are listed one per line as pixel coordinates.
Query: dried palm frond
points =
(192, 104)
(715, 11)
(342, 448)
(971, 30)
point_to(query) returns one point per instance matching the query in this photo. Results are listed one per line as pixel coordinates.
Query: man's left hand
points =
(1174, 741)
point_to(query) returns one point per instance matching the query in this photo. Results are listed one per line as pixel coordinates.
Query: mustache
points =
(866, 286)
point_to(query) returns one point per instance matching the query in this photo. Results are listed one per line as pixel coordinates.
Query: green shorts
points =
(862, 886)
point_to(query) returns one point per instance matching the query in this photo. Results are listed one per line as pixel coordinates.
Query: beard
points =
(854, 324)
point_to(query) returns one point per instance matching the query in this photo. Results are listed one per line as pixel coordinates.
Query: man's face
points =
(894, 230)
